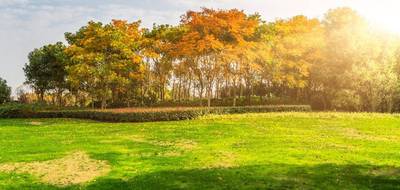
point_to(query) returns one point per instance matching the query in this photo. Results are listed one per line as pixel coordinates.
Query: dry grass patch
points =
(36, 123)
(172, 154)
(182, 144)
(186, 144)
(73, 169)
(356, 134)
(223, 159)
(385, 172)
(138, 138)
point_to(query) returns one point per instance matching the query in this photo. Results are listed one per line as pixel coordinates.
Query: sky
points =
(29, 24)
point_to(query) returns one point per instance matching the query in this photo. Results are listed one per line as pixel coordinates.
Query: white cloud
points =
(12, 2)
(25, 28)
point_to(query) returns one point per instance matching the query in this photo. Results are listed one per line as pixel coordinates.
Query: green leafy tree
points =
(5, 91)
(358, 67)
(46, 70)
(344, 38)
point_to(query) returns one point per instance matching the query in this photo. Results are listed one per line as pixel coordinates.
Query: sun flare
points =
(383, 14)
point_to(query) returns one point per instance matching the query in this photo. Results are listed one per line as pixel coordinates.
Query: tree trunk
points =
(59, 98)
(103, 104)
(163, 92)
(234, 94)
(92, 102)
(209, 97)
(179, 89)
(201, 93)
(173, 91)
(41, 97)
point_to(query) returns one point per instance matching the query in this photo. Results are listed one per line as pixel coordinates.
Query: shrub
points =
(122, 117)
(226, 102)
(13, 110)
(17, 110)
(347, 100)
(161, 114)
(259, 109)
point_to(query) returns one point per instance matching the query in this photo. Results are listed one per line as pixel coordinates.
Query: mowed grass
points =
(249, 151)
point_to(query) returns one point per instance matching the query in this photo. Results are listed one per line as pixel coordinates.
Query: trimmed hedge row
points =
(171, 115)
(227, 102)
(123, 117)
(17, 110)
(259, 109)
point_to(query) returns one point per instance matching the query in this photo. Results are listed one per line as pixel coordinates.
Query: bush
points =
(259, 109)
(17, 110)
(227, 102)
(12, 110)
(122, 117)
(153, 115)
(347, 100)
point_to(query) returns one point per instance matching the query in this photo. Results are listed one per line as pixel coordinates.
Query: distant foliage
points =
(5, 91)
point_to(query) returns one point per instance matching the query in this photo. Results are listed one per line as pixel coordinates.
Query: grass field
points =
(250, 151)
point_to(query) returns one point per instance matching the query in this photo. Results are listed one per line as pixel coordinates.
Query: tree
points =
(357, 64)
(377, 82)
(209, 33)
(105, 59)
(292, 46)
(345, 37)
(5, 91)
(23, 95)
(157, 50)
(46, 70)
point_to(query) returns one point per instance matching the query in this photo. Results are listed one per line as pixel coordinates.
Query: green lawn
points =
(251, 151)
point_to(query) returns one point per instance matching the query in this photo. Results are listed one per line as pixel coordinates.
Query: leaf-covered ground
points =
(251, 151)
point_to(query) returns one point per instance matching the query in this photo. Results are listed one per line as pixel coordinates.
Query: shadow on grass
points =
(327, 176)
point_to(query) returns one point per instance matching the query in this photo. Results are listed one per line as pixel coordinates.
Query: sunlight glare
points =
(383, 14)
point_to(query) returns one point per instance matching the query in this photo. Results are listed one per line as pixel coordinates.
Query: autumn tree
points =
(287, 49)
(158, 47)
(200, 46)
(209, 32)
(105, 59)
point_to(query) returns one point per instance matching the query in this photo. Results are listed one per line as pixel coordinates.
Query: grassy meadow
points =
(246, 151)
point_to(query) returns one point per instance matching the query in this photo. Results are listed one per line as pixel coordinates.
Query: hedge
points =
(227, 102)
(170, 115)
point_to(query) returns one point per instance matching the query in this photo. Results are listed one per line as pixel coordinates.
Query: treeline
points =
(339, 62)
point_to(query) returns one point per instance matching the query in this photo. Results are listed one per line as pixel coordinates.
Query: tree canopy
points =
(46, 69)
(222, 56)
(105, 59)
